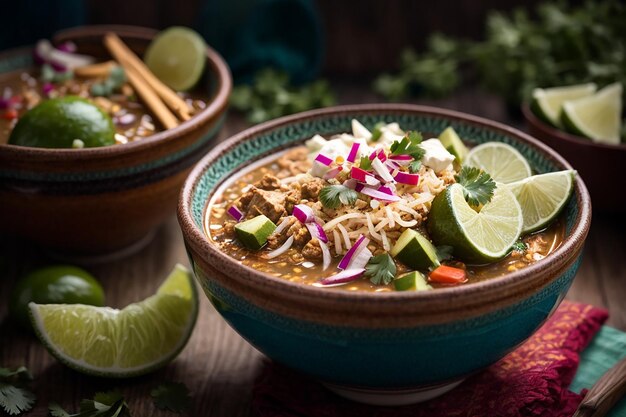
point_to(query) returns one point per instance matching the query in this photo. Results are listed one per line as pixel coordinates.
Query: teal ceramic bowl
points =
(380, 348)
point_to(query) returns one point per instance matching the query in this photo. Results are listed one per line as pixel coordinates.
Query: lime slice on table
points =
(542, 197)
(57, 122)
(177, 57)
(503, 162)
(108, 342)
(477, 237)
(547, 102)
(597, 117)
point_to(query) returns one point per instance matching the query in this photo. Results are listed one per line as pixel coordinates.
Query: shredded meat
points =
(311, 189)
(257, 201)
(300, 234)
(312, 250)
(275, 240)
(292, 197)
(293, 162)
(268, 182)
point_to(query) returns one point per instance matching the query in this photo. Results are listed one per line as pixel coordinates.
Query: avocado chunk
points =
(413, 281)
(253, 233)
(415, 251)
(453, 144)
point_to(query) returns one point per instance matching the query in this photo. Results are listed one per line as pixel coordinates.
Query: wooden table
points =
(218, 365)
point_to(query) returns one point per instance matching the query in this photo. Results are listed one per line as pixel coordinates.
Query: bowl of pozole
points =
(389, 251)
(93, 150)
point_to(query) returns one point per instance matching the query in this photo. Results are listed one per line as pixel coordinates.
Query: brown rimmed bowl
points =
(96, 201)
(598, 164)
(381, 348)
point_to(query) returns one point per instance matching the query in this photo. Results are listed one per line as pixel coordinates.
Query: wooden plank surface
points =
(218, 365)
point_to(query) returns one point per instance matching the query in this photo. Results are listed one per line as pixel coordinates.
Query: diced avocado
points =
(453, 144)
(253, 233)
(413, 281)
(415, 251)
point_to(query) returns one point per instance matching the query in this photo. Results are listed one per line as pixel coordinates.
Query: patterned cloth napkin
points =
(533, 380)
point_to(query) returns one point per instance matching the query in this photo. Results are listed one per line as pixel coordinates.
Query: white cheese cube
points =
(436, 156)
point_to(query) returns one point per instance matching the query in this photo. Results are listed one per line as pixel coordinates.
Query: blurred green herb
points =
(563, 45)
(381, 269)
(15, 394)
(271, 95)
(116, 78)
(173, 396)
(104, 404)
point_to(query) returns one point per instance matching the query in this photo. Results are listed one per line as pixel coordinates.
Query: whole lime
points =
(57, 122)
(60, 284)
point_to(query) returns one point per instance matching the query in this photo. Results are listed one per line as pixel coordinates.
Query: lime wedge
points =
(115, 343)
(547, 102)
(503, 162)
(597, 117)
(453, 144)
(542, 197)
(477, 237)
(177, 57)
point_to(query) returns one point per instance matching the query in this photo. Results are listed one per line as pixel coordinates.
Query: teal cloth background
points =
(605, 350)
(250, 34)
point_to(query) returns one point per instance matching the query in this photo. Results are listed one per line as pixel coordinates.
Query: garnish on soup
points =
(386, 210)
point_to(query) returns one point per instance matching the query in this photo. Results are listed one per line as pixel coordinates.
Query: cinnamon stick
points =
(95, 70)
(151, 99)
(128, 59)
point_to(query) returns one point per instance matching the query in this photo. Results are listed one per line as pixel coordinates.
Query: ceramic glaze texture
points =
(376, 340)
(95, 201)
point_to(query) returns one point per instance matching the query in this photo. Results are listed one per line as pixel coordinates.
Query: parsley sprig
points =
(478, 186)
(15, 394)
(333, 196)
(381, 269)
(173, 396)
(409, 145)
(103, 404)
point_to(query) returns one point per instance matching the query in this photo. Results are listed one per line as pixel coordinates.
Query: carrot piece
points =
(448, 275)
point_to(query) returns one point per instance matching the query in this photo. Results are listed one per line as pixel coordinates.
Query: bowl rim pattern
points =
(344, 307)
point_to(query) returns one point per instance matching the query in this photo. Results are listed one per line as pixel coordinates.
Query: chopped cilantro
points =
(409, 145)
(415, 166)
(15, 395)
(104, 404)
(519, 246)
(381, 269)
(333, 196)
(365, 163)
(173, 396)
(478, 186)
(376, 132)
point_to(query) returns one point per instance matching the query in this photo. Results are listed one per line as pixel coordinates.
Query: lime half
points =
(546, 103)
(108, 342)
(177, 57)
(542, 197)
(477, 237)
(597, 117)
(503, 162)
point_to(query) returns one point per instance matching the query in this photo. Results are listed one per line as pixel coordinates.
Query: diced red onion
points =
(333, 173)
(283, 248)
(353, 152)
(59, 60)
(386, 190)
(68, 46)
(325, 255)
(323, 159)
(381, 170)
(351, 184)
(371, 180)
(359, 174)
(361, 242)
(283, 225)
(343, 277)
(401, 157)
(360, 259)
(303, 213)
(392, 165)
(47, 88)
(358, 187)
(125, 119)
(373, 154)
(235, 213)
(316, 231)
(407, 178)
(381, 155)
(379, 195)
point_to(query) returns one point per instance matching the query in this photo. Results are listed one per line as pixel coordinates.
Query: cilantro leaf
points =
(15, 396)
(365, 163)
(478, 186)
(415, 166)
(14, 399)
(409, 145)
(103, 404)
(381, 269)
(519, 246)
(333, 196)
(173, 396)
(376, 132)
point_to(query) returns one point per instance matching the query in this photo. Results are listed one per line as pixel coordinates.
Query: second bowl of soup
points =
(367, 248)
